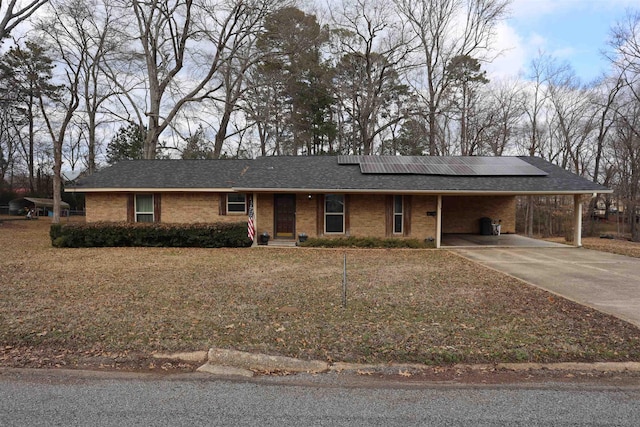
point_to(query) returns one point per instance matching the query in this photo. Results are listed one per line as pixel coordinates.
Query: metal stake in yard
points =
(344, 282)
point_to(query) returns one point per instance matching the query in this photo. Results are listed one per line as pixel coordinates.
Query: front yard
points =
(111, 306)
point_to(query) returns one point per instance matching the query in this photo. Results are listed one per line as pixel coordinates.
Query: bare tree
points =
(15, 12)
(532, 128)
(184, 44)
(446, 29)
(373, 53)
(626, 148)
(626, 144)
(626, 43)
(573, 122)
(58, 111)
(502, 109)
(85, 26)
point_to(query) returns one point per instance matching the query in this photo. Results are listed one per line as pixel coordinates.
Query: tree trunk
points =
(57, 181)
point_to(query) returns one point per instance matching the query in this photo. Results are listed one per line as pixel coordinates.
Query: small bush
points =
(107, 234)
(366, 242)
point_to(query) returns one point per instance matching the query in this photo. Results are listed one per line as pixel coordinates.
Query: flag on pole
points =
(251, 226)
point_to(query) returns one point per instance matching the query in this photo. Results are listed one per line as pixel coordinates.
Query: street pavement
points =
(607, 282)
(81, 398)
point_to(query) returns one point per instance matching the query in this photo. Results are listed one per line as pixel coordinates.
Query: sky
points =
(575, 31)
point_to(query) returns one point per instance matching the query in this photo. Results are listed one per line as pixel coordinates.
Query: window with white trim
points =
(144, 208)
(236, 203)
(334, 213)
(398, 214)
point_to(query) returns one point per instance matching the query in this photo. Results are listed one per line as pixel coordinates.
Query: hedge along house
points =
(332, 196)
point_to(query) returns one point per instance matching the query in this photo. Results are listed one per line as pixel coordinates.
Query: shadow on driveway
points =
(607, 282)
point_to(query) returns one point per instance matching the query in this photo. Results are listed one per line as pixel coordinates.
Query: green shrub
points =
(108, 234)
(366, 242)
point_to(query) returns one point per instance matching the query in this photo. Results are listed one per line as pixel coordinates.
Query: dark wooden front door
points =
(285, 215)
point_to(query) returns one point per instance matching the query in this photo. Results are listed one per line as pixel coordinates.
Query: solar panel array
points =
(452, 166)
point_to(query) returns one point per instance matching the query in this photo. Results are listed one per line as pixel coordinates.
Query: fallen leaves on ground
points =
(113, 307)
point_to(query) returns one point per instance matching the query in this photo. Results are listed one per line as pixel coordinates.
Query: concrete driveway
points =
(607, 282)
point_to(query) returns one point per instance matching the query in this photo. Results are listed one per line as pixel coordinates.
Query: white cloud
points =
(533, 9)
(537, 9)
(516, 51)
(511, 51)
(566, 53)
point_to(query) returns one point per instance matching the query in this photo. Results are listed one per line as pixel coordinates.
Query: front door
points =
(285, 215)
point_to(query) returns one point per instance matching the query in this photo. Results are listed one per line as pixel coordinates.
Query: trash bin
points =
(486, 228)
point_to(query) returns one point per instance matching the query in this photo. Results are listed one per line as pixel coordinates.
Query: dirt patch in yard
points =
(114, 307)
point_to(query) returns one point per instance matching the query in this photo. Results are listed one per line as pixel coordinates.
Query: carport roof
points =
(45, 203)
(315, 174)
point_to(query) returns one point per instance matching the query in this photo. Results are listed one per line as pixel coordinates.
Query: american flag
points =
(251, 226)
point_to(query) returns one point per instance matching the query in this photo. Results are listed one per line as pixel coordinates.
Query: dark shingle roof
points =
(322, 174)
(177, 174)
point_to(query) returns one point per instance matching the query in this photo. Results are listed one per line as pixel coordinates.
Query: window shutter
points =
(406, 211)
(131, 208)
(156, 207)
(388, 216)
(222, 204)
(320, 215)
(347, 228)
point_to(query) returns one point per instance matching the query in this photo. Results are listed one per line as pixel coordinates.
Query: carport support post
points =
(577, 220)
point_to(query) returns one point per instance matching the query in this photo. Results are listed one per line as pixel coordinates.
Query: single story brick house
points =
(331, 196)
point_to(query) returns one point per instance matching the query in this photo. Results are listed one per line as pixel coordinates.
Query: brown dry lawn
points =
(614, 246)
(115, 306)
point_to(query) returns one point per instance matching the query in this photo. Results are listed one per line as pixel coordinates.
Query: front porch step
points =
(280, 243)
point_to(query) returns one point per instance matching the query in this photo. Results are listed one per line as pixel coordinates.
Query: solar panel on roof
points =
(450, 166)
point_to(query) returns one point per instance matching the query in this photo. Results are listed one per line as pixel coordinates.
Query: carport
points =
(459, 219)
(488, 189)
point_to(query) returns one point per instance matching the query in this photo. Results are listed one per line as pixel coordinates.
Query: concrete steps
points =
(281, 243)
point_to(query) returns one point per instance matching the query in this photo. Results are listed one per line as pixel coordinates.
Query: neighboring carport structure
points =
(36, 203)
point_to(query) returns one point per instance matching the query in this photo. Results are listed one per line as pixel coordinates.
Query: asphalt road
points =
(604, 281)
(77, 398)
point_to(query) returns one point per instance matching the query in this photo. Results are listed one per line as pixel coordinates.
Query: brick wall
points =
(176, 208)
(423, 226)
(264, 214)
(367, 215)
(461, 214)
(106, 207)
(196, 207)
(306, 212)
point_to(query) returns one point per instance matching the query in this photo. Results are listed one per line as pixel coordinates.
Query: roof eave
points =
(422, 192)
(147, 190)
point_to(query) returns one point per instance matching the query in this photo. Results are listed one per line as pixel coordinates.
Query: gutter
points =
(339, 190)
(148, 190)
(419, 192)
